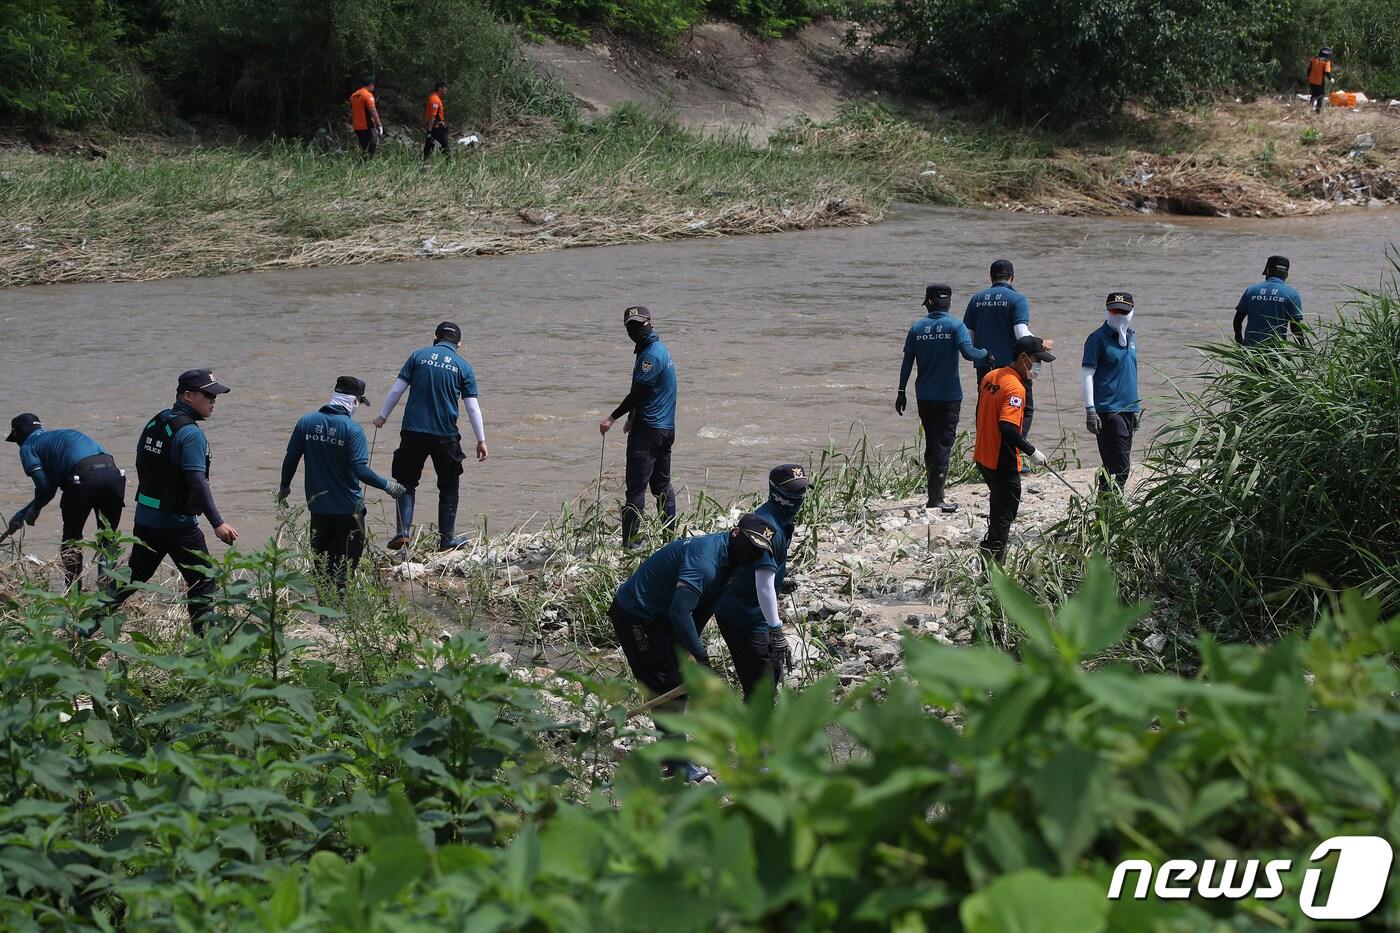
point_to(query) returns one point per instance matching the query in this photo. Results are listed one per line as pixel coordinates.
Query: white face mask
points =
(348, 402)
(1119, 323)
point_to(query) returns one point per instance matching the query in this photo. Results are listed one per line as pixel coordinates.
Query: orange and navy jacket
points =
(360, 104)
(1318, 70)
(433, 113)
(1001, 396)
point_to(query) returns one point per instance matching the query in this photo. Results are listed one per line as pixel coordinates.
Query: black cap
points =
(636, 313)
(1119, 301)
(448, 331)
(938, 295)
(440, 85)
(21, 426)
(1002, 269)
(349, 385)
(1326, 52)
(1276, 264)
(757, 532)
(790, 478)
(1034, 346)
(200, 380)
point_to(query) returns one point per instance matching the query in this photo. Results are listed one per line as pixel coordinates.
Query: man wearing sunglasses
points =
(172, 491)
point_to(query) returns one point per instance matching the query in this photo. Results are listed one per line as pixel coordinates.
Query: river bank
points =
(144, 209)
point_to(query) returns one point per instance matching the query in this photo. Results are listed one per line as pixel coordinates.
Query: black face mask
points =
(637, 331)
(742, 551)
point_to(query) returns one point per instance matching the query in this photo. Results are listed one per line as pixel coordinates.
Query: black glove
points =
(1092, 421)
(901, 402)
(991, 361)
(789, 586)
(1137, 420)
(15, 523)
(282, 495)
(779, 654)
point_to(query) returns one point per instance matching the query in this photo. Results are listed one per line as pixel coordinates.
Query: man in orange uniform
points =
(435, 118)
(1001, 410)
(364, 117)
(1319, 71)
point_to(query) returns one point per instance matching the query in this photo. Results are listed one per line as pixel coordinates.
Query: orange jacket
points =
(1318, 70)
(1001, 396)
(433, 113)
(361, 103)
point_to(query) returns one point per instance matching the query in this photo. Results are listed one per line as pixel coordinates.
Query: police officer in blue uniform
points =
(172, 491)
(436, 379)
(73, 462)
(1112, 408)
(670, 597)
(748, 613)
(651, 424)
(1271, 309)
(936, 341)
(997, 317)
(337, 461)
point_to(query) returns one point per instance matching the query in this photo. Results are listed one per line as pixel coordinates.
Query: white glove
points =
(1037, 457)
(395, 489)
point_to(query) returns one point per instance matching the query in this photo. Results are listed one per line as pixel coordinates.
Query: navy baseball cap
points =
(1034, 346)
(449, 331)
(1002, 269)
(789, 478)
(201, 380)
(757, 532)
(1119, 301)
(1276, 264)
(938, 295)
(636, 313)
(349, 385)
(21, 426)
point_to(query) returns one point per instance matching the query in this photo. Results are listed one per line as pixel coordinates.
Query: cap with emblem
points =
(938, 296)
(21, 426)
(788, 482)
(448, 331)
(349, 385)
(635, 314)
(1119, 301)
(201, 380)
(757, 532)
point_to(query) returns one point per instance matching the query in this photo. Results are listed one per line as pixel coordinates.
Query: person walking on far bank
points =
(1112, 407)
(663, 606)
(172, 491)
(747, 613)
(935, 341)
(1001, 406)
(337, 461)
(651, 424)
(1269, 310)
(996, 317)
(435, 378)
(435, 118)
(73, 462)
(364, 117)
(1319, 76)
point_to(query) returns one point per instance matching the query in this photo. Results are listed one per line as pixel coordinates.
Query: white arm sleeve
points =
(765, 580)
(1021, 330)
(1086, 373)
(474, 416)
(396, 392)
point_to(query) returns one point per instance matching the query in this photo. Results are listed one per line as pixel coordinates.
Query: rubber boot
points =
(935, 492)
(403, 524)
(447, 521)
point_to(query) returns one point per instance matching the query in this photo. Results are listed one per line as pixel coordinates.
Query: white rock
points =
(410, 570)
(1156, 642)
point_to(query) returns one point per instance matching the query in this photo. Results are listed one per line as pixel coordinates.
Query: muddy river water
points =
(781, 343)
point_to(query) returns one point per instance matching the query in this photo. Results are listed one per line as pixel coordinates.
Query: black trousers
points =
(416, 448)
(187, 548)
(95, 486)
(1116, 446)
(437, 134)
(338, 541)
(940, 421)
(751, 649)
(1004, 489)
(648, 465)
(368, 140)
(1318, 94)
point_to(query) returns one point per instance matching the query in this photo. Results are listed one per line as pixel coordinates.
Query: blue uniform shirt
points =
(1115, 370)
(438, 380)
(739, 604)
(337, 459)
(700, 562)
(190, 453)
(992, 315)
(654, 374)
(49, 456)
(1268, 308)
(935, 341)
